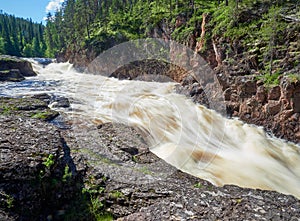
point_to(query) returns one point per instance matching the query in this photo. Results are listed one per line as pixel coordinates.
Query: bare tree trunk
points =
(200, 43)
(218, 56)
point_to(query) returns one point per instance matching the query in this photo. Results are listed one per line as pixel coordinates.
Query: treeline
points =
(21, 37)
(103, 23)
(97, 25)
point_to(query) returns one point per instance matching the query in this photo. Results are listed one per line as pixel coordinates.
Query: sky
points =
(34, 9)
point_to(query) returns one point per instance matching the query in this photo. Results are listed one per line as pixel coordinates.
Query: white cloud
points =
(53, 5)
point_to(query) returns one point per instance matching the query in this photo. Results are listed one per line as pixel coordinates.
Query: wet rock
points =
(9, 62)
(44, 97)
(296, 99)
(58, 101)
(287, 87)
(44, 61)
(273, 107)
(26, 107)
(270, 109)
(11, 75)
(196, 89)
(223, 80)
(246, 88)
(150, 70)
(227, 94)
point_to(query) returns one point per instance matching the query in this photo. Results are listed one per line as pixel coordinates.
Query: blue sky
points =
(35, 9)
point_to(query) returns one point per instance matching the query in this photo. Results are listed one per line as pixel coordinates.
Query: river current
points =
(188, 136)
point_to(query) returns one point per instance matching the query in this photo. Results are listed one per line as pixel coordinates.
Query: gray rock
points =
(11, 75)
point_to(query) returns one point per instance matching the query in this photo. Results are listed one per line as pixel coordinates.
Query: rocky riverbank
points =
(57, 174)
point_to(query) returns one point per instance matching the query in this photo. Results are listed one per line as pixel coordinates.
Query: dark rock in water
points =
(60, 102)
(8, 63)
(44, 97)
(11, 75)
(147, 70)
(44, 61)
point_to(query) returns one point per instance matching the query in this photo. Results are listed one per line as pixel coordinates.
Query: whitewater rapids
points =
(188, 136)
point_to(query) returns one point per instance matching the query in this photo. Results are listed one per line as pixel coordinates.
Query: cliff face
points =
(259, 77)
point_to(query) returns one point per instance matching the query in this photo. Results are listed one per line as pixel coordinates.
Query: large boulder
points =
(9, 63)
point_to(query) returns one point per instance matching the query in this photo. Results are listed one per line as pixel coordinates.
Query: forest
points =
(92, 26)
(21, 37)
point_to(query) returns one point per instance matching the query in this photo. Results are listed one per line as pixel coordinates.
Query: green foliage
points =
(67, 174)
(2, 43)
(8, 200)
(49, 161)
(41, 115)
(20, 37)
(27, 50)
(294, 77)
(95, 207)
(270, 79)
(198, 185)
(7, 109)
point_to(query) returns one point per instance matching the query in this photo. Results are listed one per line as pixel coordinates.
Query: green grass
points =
(271, 80)
(49, 161)
(67, 174)
(8, 200)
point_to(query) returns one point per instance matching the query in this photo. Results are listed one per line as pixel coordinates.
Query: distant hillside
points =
(20, 37)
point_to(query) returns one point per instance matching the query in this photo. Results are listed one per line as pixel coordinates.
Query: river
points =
(190, 137)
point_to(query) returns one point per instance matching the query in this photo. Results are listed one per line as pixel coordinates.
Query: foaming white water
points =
(192, 138)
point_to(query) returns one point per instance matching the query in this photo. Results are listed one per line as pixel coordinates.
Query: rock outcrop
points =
(26, 107)
(14, 69)
(276, 107)
(36, 172)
